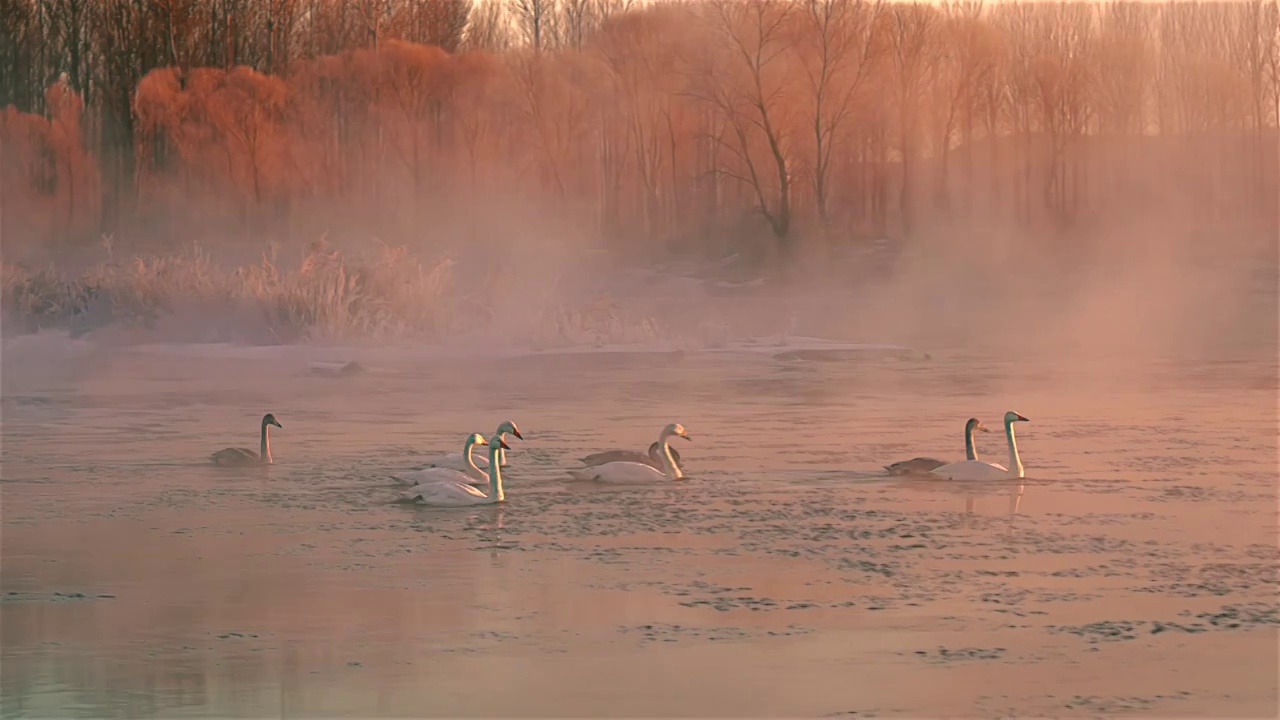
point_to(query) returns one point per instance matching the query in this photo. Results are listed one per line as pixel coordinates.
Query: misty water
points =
(1132, 571)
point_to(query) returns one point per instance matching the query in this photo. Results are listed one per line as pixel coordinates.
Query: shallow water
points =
(1137, 573)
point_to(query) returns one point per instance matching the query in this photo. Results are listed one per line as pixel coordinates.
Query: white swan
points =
(980, 470)
(925, 464)
(472, 475)
(232, 457)
(456, 494)
(634, 472)
(458, 461)
(653, 459)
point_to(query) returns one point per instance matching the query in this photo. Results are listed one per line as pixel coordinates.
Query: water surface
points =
(1133, 571)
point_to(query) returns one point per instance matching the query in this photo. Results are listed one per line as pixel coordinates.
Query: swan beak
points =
(277, 424)
(1023, 419)
(504, 444)
(981, 427)
(517, 433)
(687, 437)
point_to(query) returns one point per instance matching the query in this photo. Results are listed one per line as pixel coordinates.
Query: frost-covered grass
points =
(326, 296)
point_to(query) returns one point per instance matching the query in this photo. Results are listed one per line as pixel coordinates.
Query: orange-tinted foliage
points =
(685, 120)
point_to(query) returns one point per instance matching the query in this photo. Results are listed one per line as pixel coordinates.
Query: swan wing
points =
(619, 472)
(235, 456)
(602, 458)
(914, 465)
(436, 475)
(971, 470)
(445, 494)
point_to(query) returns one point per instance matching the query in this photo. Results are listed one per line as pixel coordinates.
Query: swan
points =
(458, 461)
(472, 475)
(653, 459)
(457, 494)
(980, 470)
(239, 457)
(925, 464)
(633, 472)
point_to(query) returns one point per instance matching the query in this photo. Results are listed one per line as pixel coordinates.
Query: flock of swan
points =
(450, 480)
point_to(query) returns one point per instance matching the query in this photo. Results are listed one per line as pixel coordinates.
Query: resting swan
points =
(472, 475)
(979, 470)
(634, 472)
(925, 464)
(456, 494)
(653, 459)
(458, 461)
(239, 457)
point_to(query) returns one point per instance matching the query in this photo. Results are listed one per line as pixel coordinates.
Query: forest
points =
(694, 126)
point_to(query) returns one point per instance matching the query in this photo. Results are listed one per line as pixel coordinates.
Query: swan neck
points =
(669, 467)
(264, 444)
(1015, 462)
(469, 460)
(495, 474)
(969, 452)
(502, 453)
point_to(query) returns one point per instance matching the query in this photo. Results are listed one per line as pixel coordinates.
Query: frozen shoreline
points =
(51, 342)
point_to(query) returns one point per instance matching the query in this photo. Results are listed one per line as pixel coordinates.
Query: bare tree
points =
(744, 80)
(968, 53)
(836, 53)
(912, 33)
(489, 27)
(638, 51)
(535, 22)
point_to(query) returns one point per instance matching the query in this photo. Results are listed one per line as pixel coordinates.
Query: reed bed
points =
(326, 296)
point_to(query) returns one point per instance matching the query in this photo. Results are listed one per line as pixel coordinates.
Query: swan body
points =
(241, 457)
(623, 472)
(458, 461)
(653, 459)
(438, 474)
(469, 474)
(920, 465)
(458, 494)
(981, 470)
(914, 466)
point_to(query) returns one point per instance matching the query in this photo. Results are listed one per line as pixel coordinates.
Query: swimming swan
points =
(239, 457)
(980, 470)
(472, 475)
(458, 461)
(925, 464)
(653, 459)
(634, 472)
(456, 494)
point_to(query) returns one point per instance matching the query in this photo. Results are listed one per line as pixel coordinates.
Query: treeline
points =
(677, 121)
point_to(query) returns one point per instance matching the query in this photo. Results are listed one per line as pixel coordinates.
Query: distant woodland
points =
(637, 124)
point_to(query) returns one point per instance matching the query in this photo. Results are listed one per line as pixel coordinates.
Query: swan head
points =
(508, 426)
(677, 430)
(975, 424)
(476, 439)
(1013, 417)
(270, 419)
